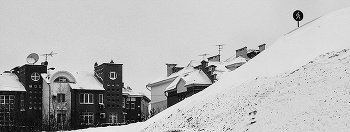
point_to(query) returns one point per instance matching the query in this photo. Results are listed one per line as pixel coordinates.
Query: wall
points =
(158, 98)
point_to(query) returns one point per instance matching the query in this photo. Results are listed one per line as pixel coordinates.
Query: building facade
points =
(136, 106)
(12, 109)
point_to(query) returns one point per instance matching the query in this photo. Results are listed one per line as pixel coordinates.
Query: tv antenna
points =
(220, 47)
(205, 54)
(50, 54)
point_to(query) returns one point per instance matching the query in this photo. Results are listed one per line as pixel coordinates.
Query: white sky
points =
(143, 35)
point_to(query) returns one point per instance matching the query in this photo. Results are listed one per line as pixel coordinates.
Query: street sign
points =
(298, 16)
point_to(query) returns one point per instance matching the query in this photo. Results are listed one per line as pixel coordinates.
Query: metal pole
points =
(49, 106)
(298, 23)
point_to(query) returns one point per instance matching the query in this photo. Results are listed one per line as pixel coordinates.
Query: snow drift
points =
(282, 89)
(300, 83)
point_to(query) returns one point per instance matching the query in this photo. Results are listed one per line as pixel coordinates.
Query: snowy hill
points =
(300, 83)
(265, 93)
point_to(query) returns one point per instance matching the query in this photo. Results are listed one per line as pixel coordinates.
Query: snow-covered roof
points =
(234, 59)
(10, 82)
(131, 93)
(86, 81)
(188, 68)
(196, 77)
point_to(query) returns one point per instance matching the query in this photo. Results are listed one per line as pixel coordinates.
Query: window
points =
(61, 97)
(61, 80)
(132, 105)
(100, 98)
(61, 118)
(86, 98)
(127, 105)
(30, 86)
(87, 118)
(112, 118)
(6, 109)
(123, 102)
(35, 76)
(112, 75)
(102, 115)
(133, 99)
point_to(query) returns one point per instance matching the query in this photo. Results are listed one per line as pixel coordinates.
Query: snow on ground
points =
(315, 97)
(124, 128)
(284, 88)
(225, 105)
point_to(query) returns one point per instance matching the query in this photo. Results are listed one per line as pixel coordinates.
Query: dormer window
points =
(113, 75)
(35, 76)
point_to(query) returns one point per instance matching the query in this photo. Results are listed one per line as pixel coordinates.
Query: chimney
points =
(204, 64)
(214, 58)
(169, 69)
(242, 52)
(45, 63)
(262, 47)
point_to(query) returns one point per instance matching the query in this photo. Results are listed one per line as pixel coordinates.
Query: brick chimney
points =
(214, 58)
(242, 52)
(262, 47)
(169, 69)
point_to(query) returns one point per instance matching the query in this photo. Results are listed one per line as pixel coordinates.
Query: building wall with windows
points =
(86, 109)
(111, 76)
(29, 76)
(56, 99)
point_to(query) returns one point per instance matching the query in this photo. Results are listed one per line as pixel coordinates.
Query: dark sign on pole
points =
(298, 16)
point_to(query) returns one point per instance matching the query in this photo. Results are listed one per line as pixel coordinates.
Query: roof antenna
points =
(50, 54)
(220, 47)
(205, 54)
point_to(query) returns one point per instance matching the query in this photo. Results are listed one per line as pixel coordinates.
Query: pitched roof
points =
(10, 82)
(234, 59)
(86, 81)
(187, 69)
(196, 77)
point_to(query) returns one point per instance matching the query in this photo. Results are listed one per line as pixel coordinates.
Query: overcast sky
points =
(143, 35)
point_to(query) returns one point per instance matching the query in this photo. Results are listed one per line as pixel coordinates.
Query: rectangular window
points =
(100, 98)
(61, 97)
(133, 99)
(112, 118)
(87, 118)
(127, 105)
(123, 102)
(6, 109)
(61, 118)
(132, 105)
(86, 98)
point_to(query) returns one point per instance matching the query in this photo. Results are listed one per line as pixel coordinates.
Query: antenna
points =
(50, 54)
(205, 54)
(220, 47)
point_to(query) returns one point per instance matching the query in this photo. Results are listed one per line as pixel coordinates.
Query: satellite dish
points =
(32, 58)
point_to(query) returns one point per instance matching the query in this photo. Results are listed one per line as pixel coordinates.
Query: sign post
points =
(298, 16)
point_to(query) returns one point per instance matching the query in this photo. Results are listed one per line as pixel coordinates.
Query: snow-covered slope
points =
(230, 104)
(298, 84)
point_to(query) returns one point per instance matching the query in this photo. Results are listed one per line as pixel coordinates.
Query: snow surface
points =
(87, 81)
(10, 82)
(284, 88)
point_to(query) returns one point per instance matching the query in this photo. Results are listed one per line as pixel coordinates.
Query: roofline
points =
(161, 82)
(193, 84)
